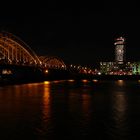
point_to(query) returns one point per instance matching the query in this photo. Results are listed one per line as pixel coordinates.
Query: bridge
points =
(52, 62)
(16, 56)
(14, 51)
(18, 62)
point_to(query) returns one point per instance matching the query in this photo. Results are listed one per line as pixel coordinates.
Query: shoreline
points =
(5, 82)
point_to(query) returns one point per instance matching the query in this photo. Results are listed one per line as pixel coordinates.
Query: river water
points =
(70, 110)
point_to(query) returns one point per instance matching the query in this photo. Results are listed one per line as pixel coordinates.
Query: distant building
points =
(120, 66)
(113, 68)
(107, 67)
(136, 68)
(119, 50)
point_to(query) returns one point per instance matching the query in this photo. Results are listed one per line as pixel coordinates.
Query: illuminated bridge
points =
(14, 51)
(52, 62)
(18, 61)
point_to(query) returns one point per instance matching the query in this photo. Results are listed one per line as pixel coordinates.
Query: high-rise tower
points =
(120, 50)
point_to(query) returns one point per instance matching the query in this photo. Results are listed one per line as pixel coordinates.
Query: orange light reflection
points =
(70, 80)
(84, 81)
(46, 82)
(95, 80)
(46, 102)
(120, 82)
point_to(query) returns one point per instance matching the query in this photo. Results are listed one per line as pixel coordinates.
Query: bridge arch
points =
(14, 51)
(52, 62)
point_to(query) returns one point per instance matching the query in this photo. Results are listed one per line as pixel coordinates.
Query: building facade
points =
(119, 50)
(136, 68)
(108, 67)
(120, 66)
(113, 68)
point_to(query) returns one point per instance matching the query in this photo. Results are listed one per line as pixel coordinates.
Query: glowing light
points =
(99, 73)
(84, 81)
(95, 80)
(56, 81)
(71, 80)
(46, 103)
(46, 71)
(32, 84)
(6, 72)
(46, 82)
(120, 82)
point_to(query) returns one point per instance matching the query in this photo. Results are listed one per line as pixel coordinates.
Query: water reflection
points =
(120, 105)
(45, 127)
(85, 81)
(71, 80)
(95, 80)
(65, 110)
(46, 101)
(86, 107)
(46, 82)
(119, 111)
(120, 82)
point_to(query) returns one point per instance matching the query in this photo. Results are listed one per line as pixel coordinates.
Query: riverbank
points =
(64, 76)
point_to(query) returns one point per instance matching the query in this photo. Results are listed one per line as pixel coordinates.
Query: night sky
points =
(79, 33)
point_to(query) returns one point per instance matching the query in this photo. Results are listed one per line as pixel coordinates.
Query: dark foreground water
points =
(69, 110)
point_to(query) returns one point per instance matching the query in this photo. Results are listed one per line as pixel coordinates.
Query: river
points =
(71, 110)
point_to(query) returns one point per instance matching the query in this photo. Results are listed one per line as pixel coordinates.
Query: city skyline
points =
(80, 34)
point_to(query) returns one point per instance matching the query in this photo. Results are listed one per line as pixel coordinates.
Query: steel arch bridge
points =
(52, 62)
(16, 52)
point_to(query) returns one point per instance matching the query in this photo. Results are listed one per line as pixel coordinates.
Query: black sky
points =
(77, 32)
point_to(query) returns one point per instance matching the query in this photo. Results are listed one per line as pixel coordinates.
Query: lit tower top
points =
(120, 50)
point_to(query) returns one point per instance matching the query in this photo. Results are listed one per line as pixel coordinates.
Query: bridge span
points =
(14, 51)
(18, 60)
